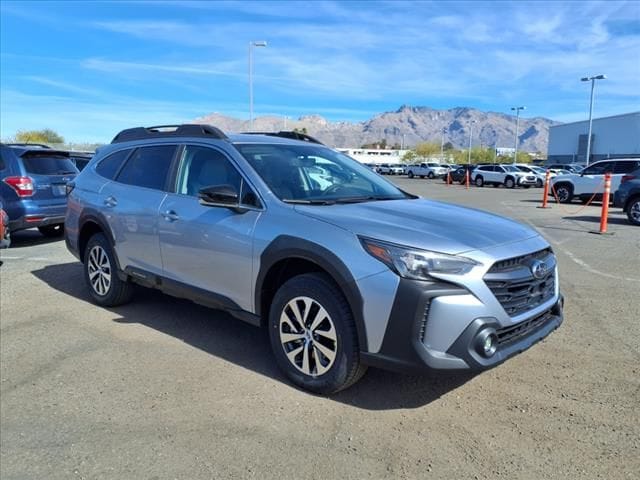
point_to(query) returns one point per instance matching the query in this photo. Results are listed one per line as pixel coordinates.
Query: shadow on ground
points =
(595, 219)
(219, 334)
(31, 237)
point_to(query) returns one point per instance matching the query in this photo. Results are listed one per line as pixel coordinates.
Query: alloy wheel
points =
(99, 269)
(308, 336)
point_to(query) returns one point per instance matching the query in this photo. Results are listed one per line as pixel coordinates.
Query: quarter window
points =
(626, 167)
(148, 167)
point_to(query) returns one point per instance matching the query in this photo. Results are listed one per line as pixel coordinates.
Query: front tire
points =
(479, 181)
(52, 231)
(410, 174)
(633, 211)
(564, 191)
(431, 175)
(105, 287)
(313, 335)
(509, 182)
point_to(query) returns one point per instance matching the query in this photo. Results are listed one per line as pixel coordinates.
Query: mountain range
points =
(407, 126)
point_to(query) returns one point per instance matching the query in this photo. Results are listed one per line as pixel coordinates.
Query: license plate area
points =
(58, 189)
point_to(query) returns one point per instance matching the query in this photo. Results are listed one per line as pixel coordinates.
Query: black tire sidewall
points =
(569, 193)
(111, 298)
(629, 207)
(320, 288)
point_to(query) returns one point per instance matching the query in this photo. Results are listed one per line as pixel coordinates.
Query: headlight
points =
(417, 264)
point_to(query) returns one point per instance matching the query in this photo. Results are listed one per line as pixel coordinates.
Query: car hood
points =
(421, 223)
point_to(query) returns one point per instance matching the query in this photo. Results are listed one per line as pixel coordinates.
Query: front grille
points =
(510, 263)
(515, 332)
(514, 286)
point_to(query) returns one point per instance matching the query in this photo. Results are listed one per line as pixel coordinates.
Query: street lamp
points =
(593, 83)
(444, 130)
(515, 150)
(470, 137)
(259, 43)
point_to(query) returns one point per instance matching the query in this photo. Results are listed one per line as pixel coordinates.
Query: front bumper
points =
(414, 334)
(525, 181)
(619, 198)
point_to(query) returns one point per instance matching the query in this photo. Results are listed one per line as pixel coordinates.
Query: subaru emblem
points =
(539, 269)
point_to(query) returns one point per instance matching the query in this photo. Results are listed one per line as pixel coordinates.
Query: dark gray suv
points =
(343, 268)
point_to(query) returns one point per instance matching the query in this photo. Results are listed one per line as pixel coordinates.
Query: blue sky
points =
(88, 69)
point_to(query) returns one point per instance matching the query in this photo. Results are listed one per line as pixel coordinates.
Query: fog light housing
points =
(487, 343)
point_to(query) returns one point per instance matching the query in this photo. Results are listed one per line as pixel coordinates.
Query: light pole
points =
(260, 43)
(593, 83)
(515, 149)
(470, 137)
(442, 145)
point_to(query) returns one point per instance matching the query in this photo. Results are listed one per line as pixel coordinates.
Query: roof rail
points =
(289, 134)
(164, 131)
(39, 145)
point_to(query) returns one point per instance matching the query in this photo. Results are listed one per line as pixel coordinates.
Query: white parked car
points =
(539, 172)
(506, 175)
(590, 181)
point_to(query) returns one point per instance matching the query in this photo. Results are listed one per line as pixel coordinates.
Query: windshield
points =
(510, 168)
(316, 174)
(538, 169)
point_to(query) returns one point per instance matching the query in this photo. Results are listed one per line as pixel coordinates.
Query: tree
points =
(38, 136)
(426, 150)
(410, 157)
(448, 146)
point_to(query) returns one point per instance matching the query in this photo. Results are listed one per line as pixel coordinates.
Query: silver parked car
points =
(344, 269)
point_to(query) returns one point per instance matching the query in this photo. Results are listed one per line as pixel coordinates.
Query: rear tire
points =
(52, 230)
(313, 335)
(101, 276)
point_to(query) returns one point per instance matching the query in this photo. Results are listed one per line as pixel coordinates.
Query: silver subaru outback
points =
(345, 269)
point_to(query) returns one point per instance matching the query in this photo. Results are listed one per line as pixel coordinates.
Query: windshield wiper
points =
(310, 202)
(369, 198)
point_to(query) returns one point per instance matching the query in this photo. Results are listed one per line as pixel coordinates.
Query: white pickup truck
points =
(429, 170)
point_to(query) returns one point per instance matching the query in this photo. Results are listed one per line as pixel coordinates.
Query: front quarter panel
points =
(286, 234)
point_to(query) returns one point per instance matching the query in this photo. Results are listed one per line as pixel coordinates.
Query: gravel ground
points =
(162, 388)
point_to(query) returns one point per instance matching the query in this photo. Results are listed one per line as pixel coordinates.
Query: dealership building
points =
(611, 137)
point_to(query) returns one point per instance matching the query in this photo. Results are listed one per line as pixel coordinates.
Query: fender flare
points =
(287, 247)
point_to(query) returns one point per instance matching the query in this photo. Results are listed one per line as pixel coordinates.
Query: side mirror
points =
(220, 196)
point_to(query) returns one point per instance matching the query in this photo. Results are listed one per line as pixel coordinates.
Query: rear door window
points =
(109, 166)
(148, 167)
(599, 168)
(48, 165)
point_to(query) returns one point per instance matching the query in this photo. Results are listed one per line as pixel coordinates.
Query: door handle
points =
(110, 201)
(170, 216)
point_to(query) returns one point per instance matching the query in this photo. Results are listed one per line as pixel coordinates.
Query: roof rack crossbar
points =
(164, 131)
(289, 134)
